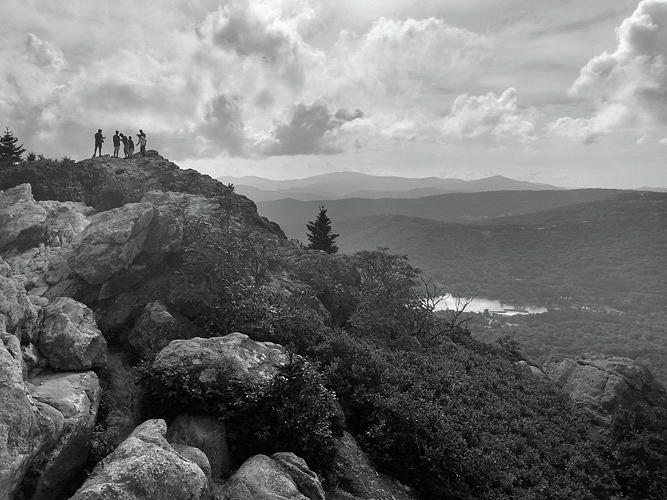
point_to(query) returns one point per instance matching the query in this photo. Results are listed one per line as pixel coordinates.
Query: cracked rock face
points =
(112, 241)
(234, 355)
(69, 338)
(19, 213)
(604, 384)
(145, 466)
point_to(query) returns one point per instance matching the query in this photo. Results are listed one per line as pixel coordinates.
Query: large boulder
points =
(221, 358)
(19, 313)
(357, 479)
(69, 337)
(74, 398)
(264, 478)
(206, 433)
(146, 466)
(65, 221)
(156, 327)
(19, 213)
(604, 384)
(23, 428)
(112, 241)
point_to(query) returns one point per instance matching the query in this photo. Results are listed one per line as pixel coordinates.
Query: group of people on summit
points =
(128, 144)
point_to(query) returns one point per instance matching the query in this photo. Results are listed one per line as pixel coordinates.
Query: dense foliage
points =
(320, 235)
(293, 411)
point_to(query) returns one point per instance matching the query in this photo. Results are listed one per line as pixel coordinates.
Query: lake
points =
(479, 305)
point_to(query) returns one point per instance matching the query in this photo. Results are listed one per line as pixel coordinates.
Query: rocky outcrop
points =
(603, 384)
(73, 399)
(19, 215)
(69, 338)
(23, 428)
(222, 358)
(146, 466)
(112, 241)
(264, 478)
(207, 434)
(357, 479)
(20, 316)
(156, 327)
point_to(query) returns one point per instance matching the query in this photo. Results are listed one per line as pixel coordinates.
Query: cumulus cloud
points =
(404, 56)
(43, 53)
(311, 129)
(488, 115)
(628, 86)
(663, 141)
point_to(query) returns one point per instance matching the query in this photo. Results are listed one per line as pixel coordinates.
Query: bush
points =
(293, 411)
(455, 423)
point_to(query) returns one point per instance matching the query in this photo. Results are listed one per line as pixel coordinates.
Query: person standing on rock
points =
(99, 139)
(130, 146)
(123, 138)
(116, 144)
(142, 142)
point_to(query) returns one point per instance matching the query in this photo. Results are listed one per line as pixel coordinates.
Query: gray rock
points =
(76, 397)
(69, 337)
(156, 327)
(261, 478)
(206, 433)
(603, 384)
(19, 213)
(112, 241)
(223, 358)
(19, 313)
(145, 466)
(305, 479)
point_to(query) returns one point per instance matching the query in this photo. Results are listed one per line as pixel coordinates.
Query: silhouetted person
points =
(99, 139)
(125, 145)
(130, 146)
(142, 142)
(116, 144)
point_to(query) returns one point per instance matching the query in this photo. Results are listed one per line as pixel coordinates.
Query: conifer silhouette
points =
(320, 235)
(9, 151)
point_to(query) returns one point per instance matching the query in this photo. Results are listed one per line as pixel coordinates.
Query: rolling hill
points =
(292, 215)
(341, 185)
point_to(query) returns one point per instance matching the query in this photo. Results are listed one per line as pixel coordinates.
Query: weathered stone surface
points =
(261, 478)
(145, 466)
(112, 241)
(357, 479)
(156, 327)
(20, 315)
(602, 384)
(206, 433)
(65, 221)
(196, 456)
(76, 397)
(18, 213)
(69, 337)
(232, 356)
(22, 432)
(123, 280)
(305, 479)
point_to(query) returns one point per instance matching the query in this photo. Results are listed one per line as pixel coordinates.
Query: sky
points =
(572, 93)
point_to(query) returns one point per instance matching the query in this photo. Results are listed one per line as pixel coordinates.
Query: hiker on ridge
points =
(125, 144)
(130, 147)
(116, 144)
(142, 142)
(99, 139)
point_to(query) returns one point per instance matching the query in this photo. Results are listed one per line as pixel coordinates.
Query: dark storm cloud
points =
(312, 129)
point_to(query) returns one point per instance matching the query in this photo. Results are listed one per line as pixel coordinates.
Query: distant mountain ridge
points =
(339, 185)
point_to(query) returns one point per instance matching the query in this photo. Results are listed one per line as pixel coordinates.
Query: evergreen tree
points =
(9, 151)
(320, 235)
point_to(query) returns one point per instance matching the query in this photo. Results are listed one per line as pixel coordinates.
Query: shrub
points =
(293, 411)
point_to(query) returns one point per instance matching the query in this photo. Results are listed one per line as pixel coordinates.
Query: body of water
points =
(479, 305)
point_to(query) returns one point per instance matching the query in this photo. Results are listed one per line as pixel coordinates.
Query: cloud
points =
(311, 129)
(407, 56)
(488, 116)
(43, 53)
(628, 87)
(663, 141)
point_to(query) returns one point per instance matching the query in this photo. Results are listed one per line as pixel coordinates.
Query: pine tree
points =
(320, 235)
(9, 151)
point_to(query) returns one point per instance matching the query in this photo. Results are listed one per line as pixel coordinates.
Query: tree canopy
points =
(9, 151)
(319, 233)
